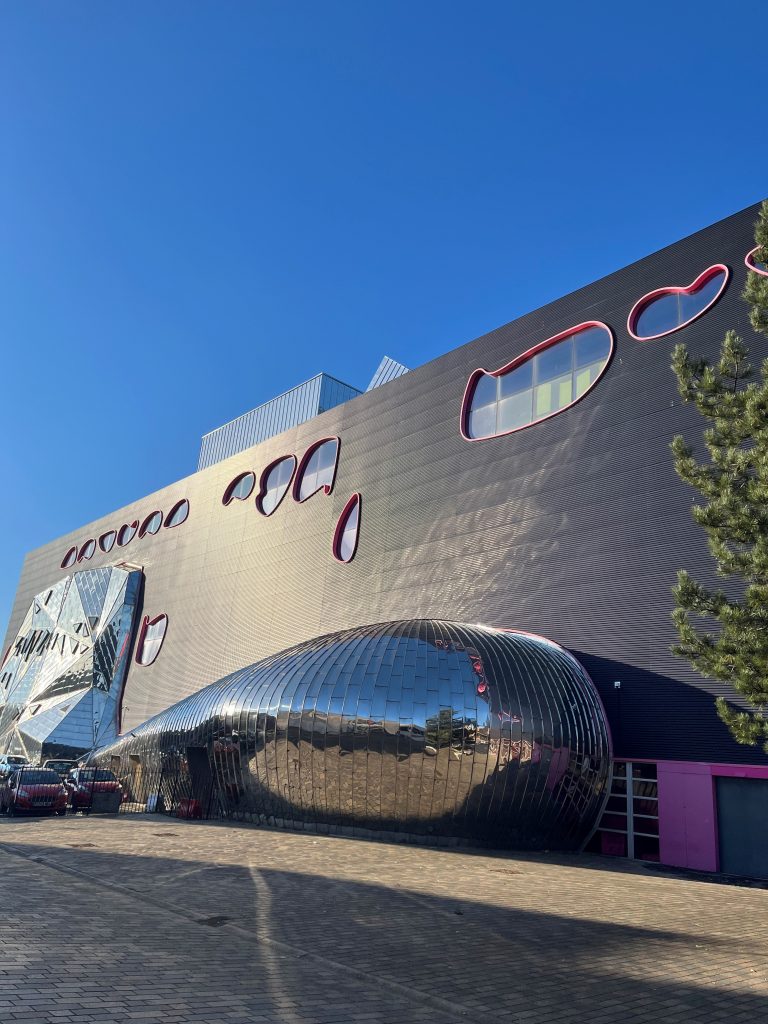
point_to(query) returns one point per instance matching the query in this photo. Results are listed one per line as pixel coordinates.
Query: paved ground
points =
(149, 920)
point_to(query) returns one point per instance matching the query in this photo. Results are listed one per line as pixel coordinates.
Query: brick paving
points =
(148, 919)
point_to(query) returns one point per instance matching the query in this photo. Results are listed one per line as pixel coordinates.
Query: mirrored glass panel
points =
(70, 558)
(178, 514)
(538, 384)
(151, 524)
(317, 469)
(151, 639)
(86, 551)
(668, 309)
(240, 488)
(127, 532)
(275, 482)
(107, 540)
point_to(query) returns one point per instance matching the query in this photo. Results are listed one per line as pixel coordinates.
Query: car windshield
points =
(94, 775)
(59, 766)
(16, 760)
(37, 777)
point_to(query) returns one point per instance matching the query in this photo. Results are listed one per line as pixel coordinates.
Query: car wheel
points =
(62, 812)
(10, 811)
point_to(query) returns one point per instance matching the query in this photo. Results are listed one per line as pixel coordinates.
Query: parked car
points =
(9, 762)
(33, 790)
(82, 783)
(61, 767)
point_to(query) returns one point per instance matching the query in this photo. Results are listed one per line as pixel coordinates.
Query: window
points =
(151, 524)
(275, 481)
(178, 514)
(538, 384)
(317, 469)
(629, 826)
(86, 551)
(127, 532)
(754, 264)
(347, 531)
(240, 488)
(107, 540)
(69, 558)
(666, 310)
(151, 636)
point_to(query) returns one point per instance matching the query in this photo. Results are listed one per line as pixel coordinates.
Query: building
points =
(522, 481)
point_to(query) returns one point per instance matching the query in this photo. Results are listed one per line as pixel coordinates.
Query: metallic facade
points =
(298, 405)
(420, 727)
(62, 677)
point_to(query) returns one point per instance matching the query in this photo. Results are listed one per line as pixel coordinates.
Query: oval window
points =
(127, 532)
(347, 531)
(151, 636)
(540, 383)
(317, 469)
(107, 540)
(178, 514)
(666, 310)
(151, 524)
(240, 488)
(275, 481)
(86, 551)
(754, 264)
(69, 558)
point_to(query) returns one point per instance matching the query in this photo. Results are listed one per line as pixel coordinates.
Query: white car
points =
(9, 763)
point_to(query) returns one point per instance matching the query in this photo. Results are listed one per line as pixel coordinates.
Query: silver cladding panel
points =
(427, 727)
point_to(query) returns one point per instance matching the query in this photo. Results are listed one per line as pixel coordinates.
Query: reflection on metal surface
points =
(61, 682)
(419, 726)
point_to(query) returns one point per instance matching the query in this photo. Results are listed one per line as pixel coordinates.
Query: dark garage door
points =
(742, 824)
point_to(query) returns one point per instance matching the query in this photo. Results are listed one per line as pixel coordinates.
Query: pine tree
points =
(734, 485)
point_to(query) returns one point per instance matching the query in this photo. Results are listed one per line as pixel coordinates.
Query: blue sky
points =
(204, 203)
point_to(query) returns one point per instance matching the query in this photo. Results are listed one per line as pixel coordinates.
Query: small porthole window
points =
(665, 310)
(86, 551)
(107, 540)
(151, 636)
(752, 261)
(347, 531)
(240, 488)
(275, 481)
(126, 533)
(317, 470)
(151, 524)
(69, 558)
(178, 514)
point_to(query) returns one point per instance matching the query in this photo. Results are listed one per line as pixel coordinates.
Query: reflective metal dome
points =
(420, 727)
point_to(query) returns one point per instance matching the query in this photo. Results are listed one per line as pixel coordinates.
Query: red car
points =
(35, 791)
(82, 783)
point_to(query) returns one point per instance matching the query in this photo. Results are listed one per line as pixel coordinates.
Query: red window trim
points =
(147, 622)
(70, 558)
(748, 260)
(127, 526)
(303, 465)
(263, 483)
(147, 520)
(356, 499)
(101, 539)
(704, 276)
(518, 361)
(81, 555)
(168, 524)
(227, 497)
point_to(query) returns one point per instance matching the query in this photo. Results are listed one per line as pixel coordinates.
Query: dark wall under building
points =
(573, 528)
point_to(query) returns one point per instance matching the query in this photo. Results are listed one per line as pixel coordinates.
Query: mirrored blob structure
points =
(62, 677)
(417, 727)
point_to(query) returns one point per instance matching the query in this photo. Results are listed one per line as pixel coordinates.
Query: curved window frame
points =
(229, 496)
(146, 623)
(144, 528)
(338, 533)
(168, 524)
(694, 286)
(70, 558)
(263, 483)
(299, 475)
(102, 541)
(133, 527)
(513, 364)
(749, 262)
(87, 550)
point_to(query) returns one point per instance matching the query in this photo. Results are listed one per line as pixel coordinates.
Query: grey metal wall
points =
(573, 528)
(298, 405)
